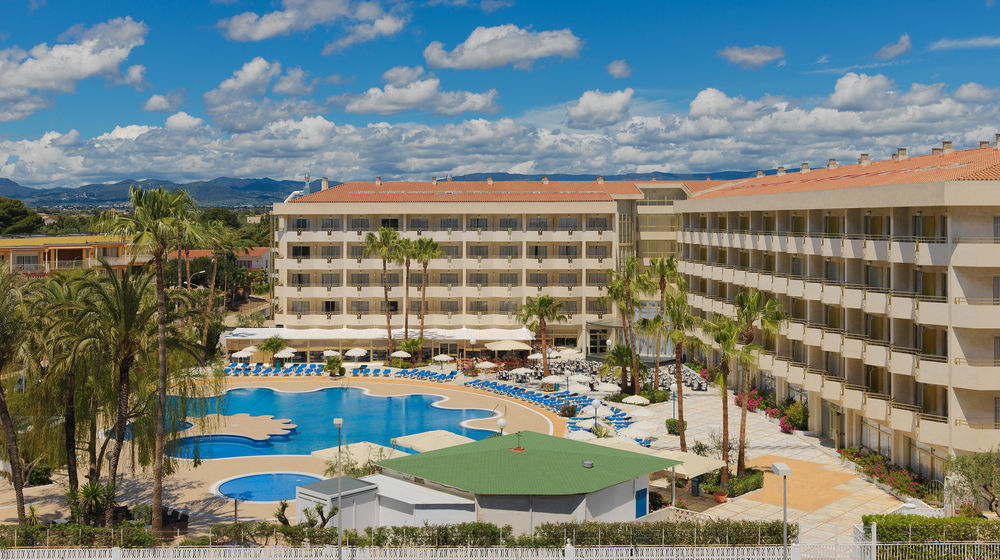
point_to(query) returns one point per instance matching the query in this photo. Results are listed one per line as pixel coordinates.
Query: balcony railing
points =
(977, 362)
(976, 301)
(978, 424)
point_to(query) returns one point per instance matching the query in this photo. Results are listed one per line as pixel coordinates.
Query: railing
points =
(977, 363)
(978, 424)
(959, 300)
(977, 239)
(931, 417)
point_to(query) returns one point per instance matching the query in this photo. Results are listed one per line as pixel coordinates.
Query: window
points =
(449, 279)
(479, 223)
(392, 279)
(597, 278)
(331, 279)
(796, 266)
(299, 307)
(537, 251)
(479, 278)
(360, 224)
(570, 307)
(331, 306)
(567, 224)
(479, 306)
(927, 461)
(390, 223)
(510, 278)
(393, 306)
(449, 306)
(416, 278)
(797, 394)
(509, 223)
(330, 251)
(415, 306)
(509, 306)
(300, 251)
(450, 250)
(479, 251)
(597, 251)
(766, 383)
(832, 271)
(300, 280)
(357, 251)
(569, 251)
(301, 223)
(509, 251)
(597, 223)
(419, 224)
(833, 361)
(569, 279)
(359, 307)
(359, 279)
(598, 341)
(331, 223)
(538, 224)
(449, 223)
(538, 279)
(564, 341)
(876, 438)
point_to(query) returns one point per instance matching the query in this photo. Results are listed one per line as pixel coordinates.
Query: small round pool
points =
(265, 487)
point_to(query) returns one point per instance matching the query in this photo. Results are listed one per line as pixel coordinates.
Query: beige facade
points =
(894, 297)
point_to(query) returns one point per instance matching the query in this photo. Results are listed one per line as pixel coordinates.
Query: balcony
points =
(979, 375)
(973, 435)
(854, 396)
(976, 313)
(833, 388)
(814, 380)
(932, 429)
(903, 416)
(876, 406)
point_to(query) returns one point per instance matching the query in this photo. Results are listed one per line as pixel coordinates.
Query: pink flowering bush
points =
(704, 374)
(773, 413)
(753, 400)
(901, 480)
(681, 504)
(786, 425)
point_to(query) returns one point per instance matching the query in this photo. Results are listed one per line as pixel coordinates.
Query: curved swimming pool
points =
(366, 418)
(265, 487)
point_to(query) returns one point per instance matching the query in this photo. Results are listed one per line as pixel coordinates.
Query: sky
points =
(190, 90)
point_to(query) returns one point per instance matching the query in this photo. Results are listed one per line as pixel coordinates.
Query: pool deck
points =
(190, 487)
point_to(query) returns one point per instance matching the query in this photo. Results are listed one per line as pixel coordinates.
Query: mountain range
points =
(232, 192)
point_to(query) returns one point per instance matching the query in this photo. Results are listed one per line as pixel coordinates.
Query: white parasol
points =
(636, 399)
(355, 352)
(578, 388)
(553, 379)
(401, 354)
(285, 353)
(522, 371)
(330, 353)
(580, 378)
(486, 365)
(607, 388)
(443, 358)
(242, 354)
(534, 356)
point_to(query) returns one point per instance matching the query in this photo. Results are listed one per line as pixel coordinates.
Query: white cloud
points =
(596, 109)
(183, 121)
(294, 82)
(973, 92)
(895, 49)
(753, 57)
(485, 5)
(491, 47)
(823, 59)
(164, 103)
(405, 91)
(970, 43)
(240, 103)
(619, 69)
(29, 77)
(363, 21)
(860, 92)
(135, 76)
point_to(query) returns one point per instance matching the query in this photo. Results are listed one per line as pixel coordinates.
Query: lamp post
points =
(502, 423)
(784, 471)
(673, 399)
(339, 424)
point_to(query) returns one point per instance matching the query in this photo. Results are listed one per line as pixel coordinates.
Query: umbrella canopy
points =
(580, 378)
(535, 357)
(554, 354)
(242, 354)
(522, 371)
(250, 349)
(608, 388)
(400, 354)
(572, 354)
(432, 440)
(486, 365)
(636, 399)
(553, 379)
(330, 353)
(578, 388)
(580, 435)
(355, 352)
(443, 358)
(285, 353)
(504, 345)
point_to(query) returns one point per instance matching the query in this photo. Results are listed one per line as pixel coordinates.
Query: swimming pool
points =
(366, 418)
(264, 487)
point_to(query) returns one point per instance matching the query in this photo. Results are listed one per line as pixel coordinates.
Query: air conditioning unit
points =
(359, 233)
(569, 288)
(539, 260)
(449, 231)
(539, 232)
(329, 260)
(600, 232)
(479, 260)
(510, 231)
(329, 288)
(449, 259)
(600, 316)
(298, 231)
(449, 314)
(569, 259)
(479, 230)
(479, 314)
(419, 232)
(600, 260)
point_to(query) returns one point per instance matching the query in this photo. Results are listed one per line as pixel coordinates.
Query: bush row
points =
(917, 528)
(738, 485)
(127, 535)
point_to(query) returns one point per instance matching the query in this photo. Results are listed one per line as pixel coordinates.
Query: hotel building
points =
(502, 241)
(43, 254)
(890, 271)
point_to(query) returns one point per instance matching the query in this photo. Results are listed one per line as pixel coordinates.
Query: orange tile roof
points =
(963, 165)
(475, 191)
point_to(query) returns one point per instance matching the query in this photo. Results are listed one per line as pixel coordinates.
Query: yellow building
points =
(44, 254)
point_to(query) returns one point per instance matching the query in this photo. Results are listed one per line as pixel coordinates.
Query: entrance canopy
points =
(257, 334)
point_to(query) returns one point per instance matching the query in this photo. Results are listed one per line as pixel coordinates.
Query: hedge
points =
(917, 528)
(126, 535)
(738, 485)
(672, 533)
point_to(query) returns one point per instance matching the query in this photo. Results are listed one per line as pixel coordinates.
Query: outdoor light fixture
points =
(339, 424)
(502, 423)
(673, 398)
(784, 471)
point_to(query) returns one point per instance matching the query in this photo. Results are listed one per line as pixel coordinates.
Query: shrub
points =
(798, 415)
(653, 396)
(753, 400)
(773, 413)
(681, 504)
(786, 425)
(701, 448)
(917, 528)
(568, 411)
(968, 509)
(673, 426)
(901, 480)
(662, 533)
(738, 485)
(656, 501)
(40, 475)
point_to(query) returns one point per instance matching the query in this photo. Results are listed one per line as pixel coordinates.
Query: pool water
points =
(268, 487)
(366, 418)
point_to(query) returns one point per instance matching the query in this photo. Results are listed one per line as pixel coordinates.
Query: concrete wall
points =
(444, 514)
(523, 513)
(360, 511)
(615, 503)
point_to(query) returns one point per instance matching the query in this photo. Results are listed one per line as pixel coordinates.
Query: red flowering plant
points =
(773, 413)
(901, 480)
(786, 425)
(753, 400)
(704, 374)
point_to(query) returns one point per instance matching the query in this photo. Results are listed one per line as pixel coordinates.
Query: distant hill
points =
(232, 191)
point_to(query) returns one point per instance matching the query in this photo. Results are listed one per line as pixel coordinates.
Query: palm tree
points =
(678, 316)
(619, 356)
(118, 302)
(187, 233)
(272, 346)
(424, 251)
(655, 327)
(726, 335)
(154, 220)
(218, 235)
(624, 289)
(334, 365)
(769, 318)
(537, 313)
(406, 251)
(385, 244)
(14, 327)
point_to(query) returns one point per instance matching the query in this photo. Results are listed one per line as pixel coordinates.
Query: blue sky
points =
(192, 90)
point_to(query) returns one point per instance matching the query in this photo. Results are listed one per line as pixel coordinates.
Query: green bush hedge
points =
(675, 533)
(127, 535)
(673, 426)
(738, 485)
(917, 528)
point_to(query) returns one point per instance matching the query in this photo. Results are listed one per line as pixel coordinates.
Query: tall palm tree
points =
(272, 346)
(119, 302)
(655, 327)
(406, 251)
(537, 314)
(624, 287)
(220, 237)
(14, 327)
(154, 220)
(726, 335)
(678, 316)
(187, 232)
(750, 313)
(385, 244)
(425, 250)
(619, 357)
